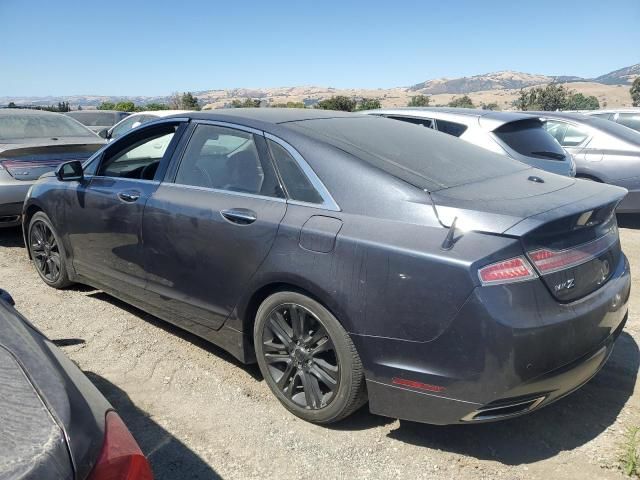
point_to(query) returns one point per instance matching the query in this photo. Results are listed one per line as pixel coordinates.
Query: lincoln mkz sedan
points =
(353, 257)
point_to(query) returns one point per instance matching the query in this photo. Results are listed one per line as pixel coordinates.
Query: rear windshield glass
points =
(96, 119)
(417, 155)
(451, 128)
(18, 125)
(528, 137)
(631, 120)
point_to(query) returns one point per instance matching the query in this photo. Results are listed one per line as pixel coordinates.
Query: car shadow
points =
(169, 457)
(251, 369)
(562, 426)
(11, 237)
(628, 220)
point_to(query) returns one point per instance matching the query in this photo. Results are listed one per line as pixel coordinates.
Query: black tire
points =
(301, 358)
(47, 252)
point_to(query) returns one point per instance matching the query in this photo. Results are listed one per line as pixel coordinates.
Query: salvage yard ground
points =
(197, 413)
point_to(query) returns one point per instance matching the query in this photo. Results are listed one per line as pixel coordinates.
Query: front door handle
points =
(241, 216)
(129, 196)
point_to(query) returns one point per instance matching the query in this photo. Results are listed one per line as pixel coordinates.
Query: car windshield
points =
(16, 126)
(95, 119)
(417, 155)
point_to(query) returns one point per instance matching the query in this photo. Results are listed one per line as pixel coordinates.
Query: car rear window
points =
(417, 155)
(16, 126)
(450, 128)
(425, 122)
(96, 119)
(529, 138)
(631, 120)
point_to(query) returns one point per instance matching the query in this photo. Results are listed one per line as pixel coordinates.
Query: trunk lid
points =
(29, 162)
(567, 226)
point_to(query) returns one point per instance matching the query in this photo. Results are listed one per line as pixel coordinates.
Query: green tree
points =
(124, 107)
(12, 105)
(155, 106)
(368, 104)
(549, 98)
(489, 106)
(462, 102)
(288, 105)
(189, 102)
(247, 103)
(419, 101)
(79, 108)
(635, 92)
(577, 101)
(106, 106)
(338, 102)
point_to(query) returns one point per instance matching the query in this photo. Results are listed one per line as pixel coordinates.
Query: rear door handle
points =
(241, 216)
(129, 196)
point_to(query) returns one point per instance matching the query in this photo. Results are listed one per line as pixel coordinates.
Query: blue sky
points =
(132, 47)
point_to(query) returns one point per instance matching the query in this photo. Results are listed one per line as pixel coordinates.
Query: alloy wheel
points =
(300, 356)
(45, 251)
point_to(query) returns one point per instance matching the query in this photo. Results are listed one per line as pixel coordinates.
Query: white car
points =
(137, 119)
(512, 134)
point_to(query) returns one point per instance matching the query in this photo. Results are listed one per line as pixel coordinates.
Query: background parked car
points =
(354, 257)
(506, 133)
(137, 119)
(629, 117)
(54, 422)
(604, 151)
(98, 120)
(34, 142)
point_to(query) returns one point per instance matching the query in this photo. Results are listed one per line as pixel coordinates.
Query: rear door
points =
(211, 223)
(104, 217)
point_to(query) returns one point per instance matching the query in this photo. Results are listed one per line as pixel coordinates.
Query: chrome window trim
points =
(328, 203)
(125, 179)
(219, 190)
(223, 124)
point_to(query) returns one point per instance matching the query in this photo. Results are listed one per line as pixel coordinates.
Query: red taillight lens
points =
(549, 261)
(508, 271)
(121, 457)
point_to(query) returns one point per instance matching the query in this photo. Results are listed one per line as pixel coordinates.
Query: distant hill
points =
(611, 89)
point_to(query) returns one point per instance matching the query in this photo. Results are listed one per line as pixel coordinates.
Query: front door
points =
(210, 225)
(105, 233)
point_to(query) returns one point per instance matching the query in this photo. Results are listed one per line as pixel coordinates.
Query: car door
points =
(104, 216)
(211, 223)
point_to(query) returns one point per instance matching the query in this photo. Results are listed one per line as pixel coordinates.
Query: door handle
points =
(129, 196)
(241, 216)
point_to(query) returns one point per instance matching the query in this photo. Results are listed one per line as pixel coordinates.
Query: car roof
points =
(161, 113)
(614, 110)
(270, 115)
(496, 118)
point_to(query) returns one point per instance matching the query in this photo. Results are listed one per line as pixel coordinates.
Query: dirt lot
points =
(197, 413)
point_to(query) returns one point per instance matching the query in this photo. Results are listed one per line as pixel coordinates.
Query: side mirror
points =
(104, 133)
(70, 171)
(4, 296)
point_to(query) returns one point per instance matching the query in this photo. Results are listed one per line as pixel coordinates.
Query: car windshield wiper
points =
(554, 155)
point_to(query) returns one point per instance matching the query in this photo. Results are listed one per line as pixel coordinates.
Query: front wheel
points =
(47, 252)
(308, 359)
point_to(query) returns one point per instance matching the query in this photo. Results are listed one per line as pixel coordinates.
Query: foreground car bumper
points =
(495, 360)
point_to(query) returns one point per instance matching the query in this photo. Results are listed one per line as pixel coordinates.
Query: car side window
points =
(140, 158)
(225, 158)
(425, 122)
(574, 136)
(556, 129)
(450, 128)
(631, 120)
(125, 126)
(295, 181)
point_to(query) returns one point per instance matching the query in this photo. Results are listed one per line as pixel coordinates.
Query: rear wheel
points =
(47, 252)
(308, 359)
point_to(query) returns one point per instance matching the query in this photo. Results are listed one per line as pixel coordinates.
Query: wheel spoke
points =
(287, 378)
(318, 335)
(323, 346)
(328, 377)
(297, 322)
(280, 329)
(277, 357)
(270, 347)
(312, 393)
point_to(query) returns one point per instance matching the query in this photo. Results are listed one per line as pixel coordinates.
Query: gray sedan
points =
(604, 151)
(33, 142)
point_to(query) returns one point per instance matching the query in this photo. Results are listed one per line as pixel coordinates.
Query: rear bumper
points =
(12, 195)
(509, 351)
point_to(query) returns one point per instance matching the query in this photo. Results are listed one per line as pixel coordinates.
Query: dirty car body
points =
(55, 423)
(473, 287)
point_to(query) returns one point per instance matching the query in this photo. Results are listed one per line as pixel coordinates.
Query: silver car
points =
(604, 151)
(33, 142)
(511, 134)
(629, 117)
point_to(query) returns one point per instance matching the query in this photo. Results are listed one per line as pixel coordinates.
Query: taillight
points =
(516, 269)
(121, 457)
(550, 261)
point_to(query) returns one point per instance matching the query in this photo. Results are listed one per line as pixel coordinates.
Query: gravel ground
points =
(197, 413)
